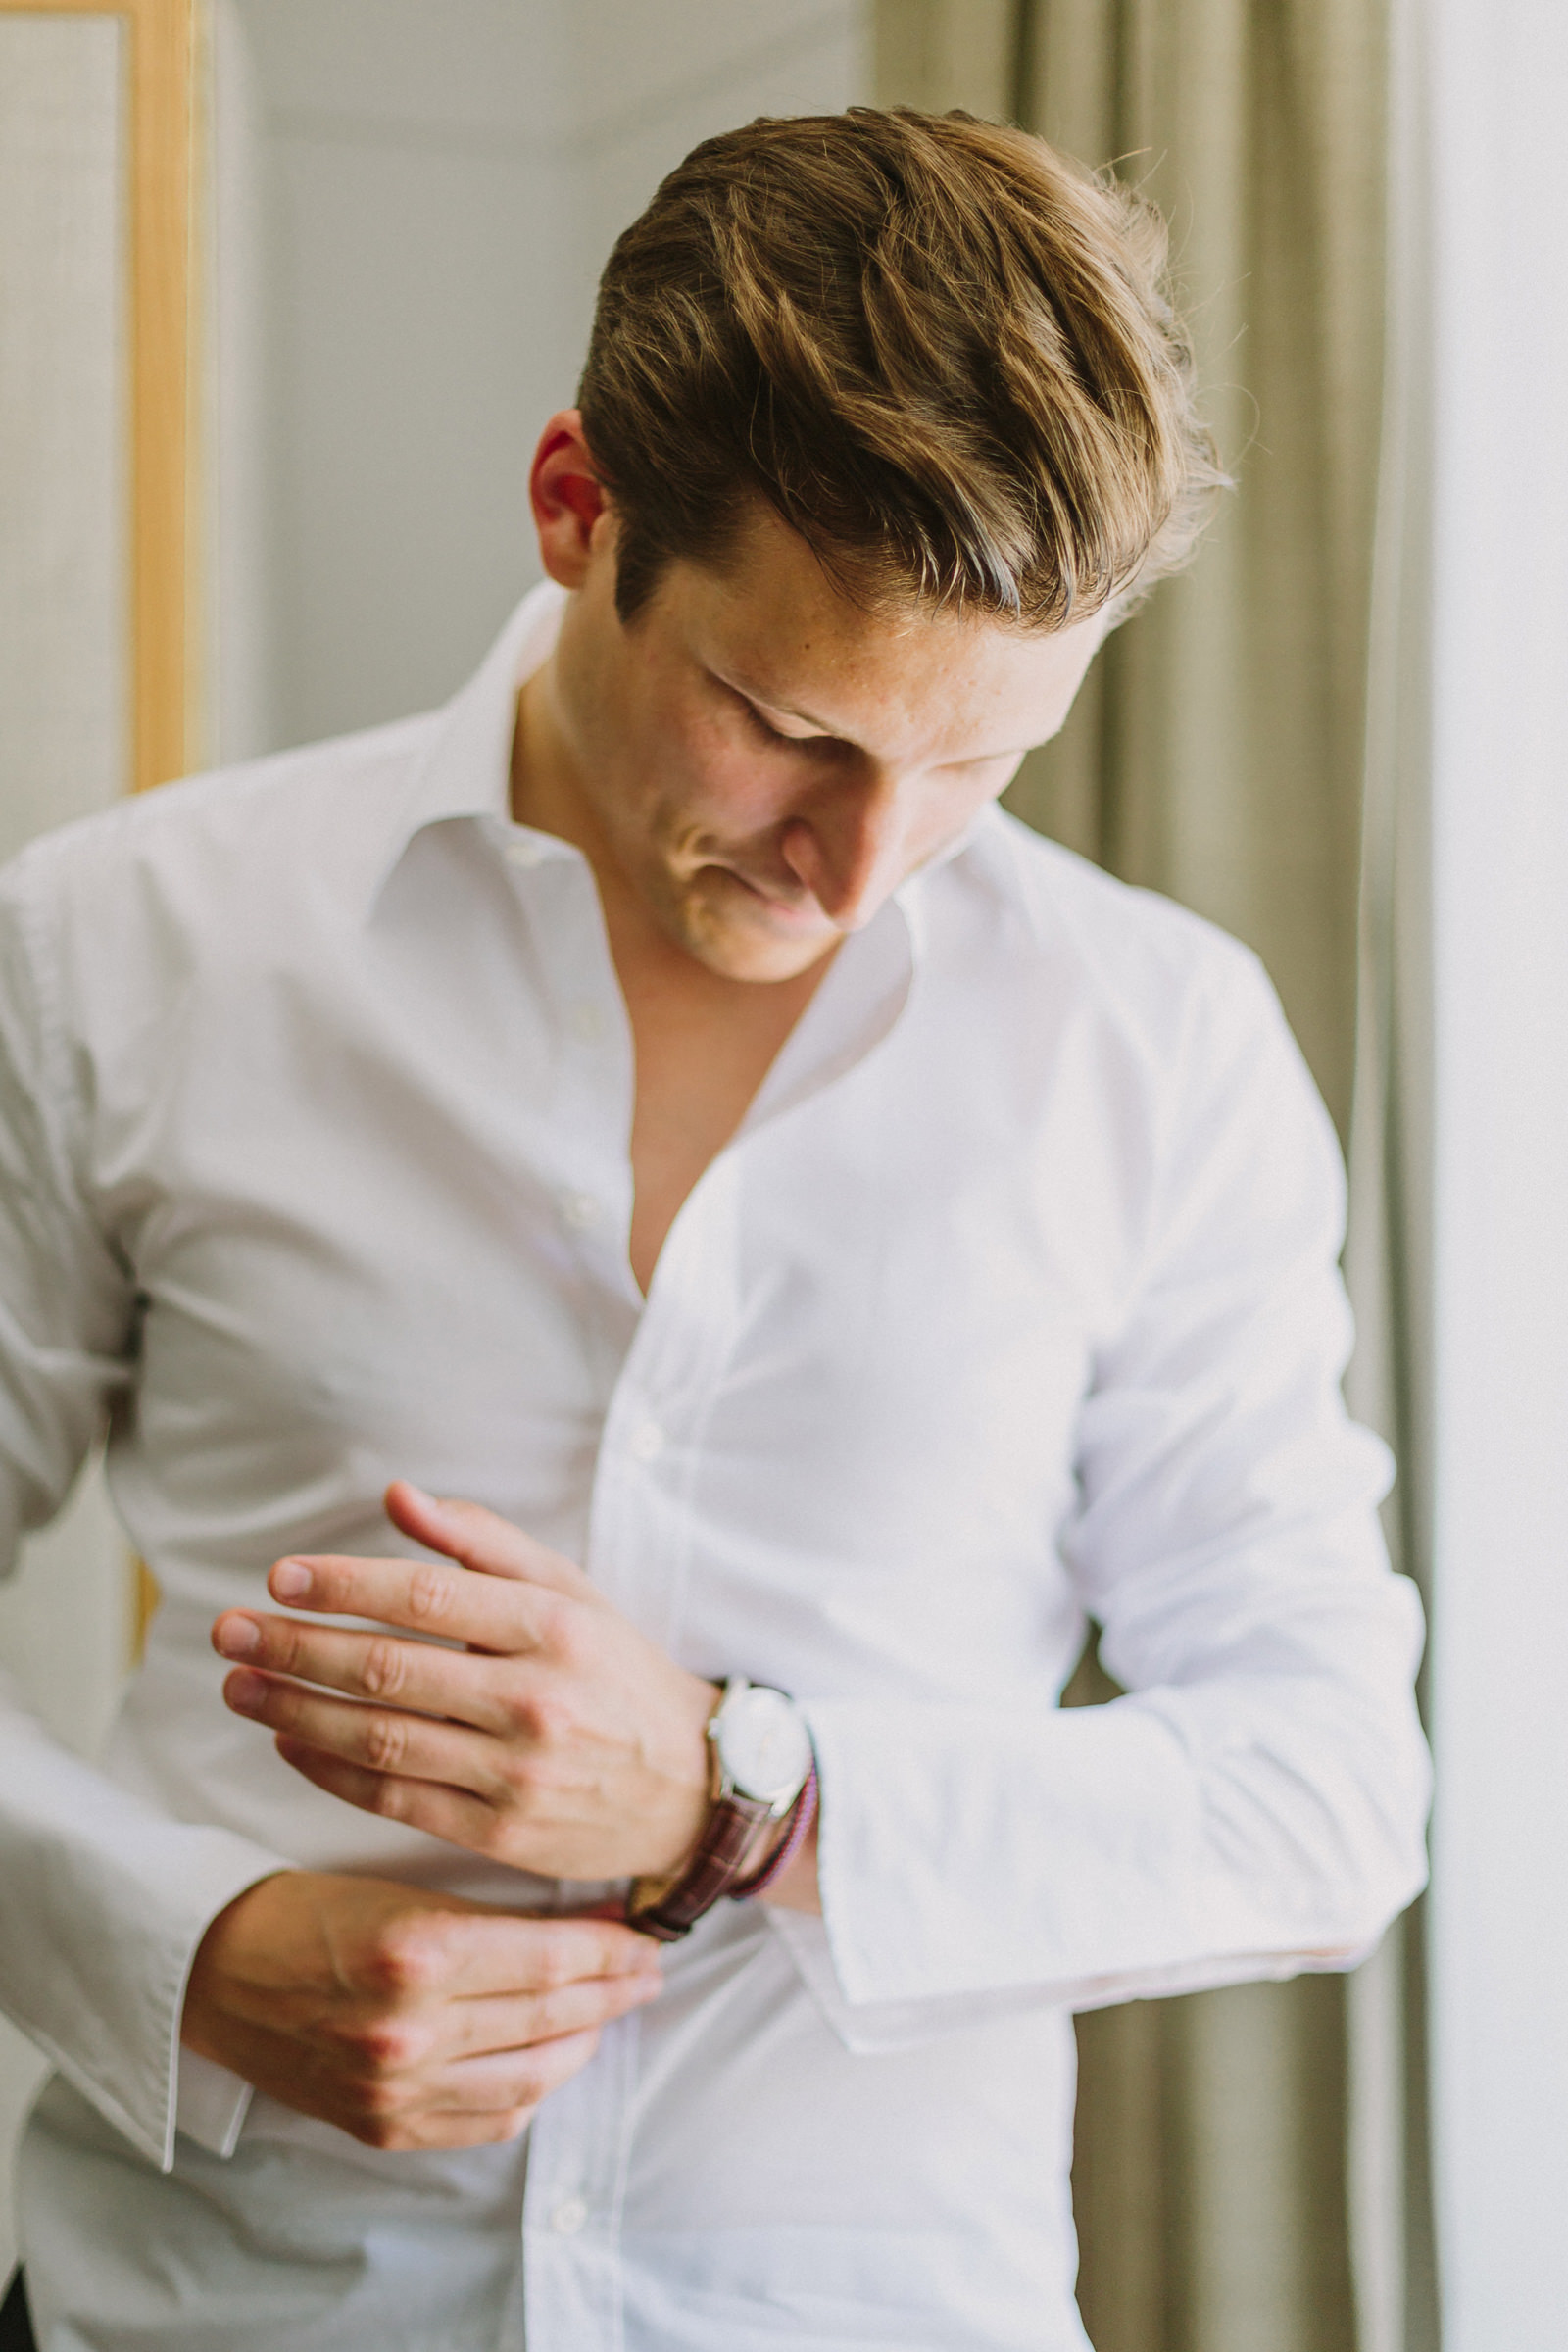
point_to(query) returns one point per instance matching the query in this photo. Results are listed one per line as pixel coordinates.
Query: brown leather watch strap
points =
(714, 1869)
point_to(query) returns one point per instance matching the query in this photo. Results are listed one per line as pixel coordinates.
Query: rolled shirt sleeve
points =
(1255, 1803)
(103, 1899)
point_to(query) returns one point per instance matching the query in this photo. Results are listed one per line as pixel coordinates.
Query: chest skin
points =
(704, 1044)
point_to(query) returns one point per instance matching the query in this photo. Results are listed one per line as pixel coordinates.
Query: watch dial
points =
(765, 1748)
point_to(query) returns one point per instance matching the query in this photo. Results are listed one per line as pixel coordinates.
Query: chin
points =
(756, 959)
(742, 951)
(746, 940)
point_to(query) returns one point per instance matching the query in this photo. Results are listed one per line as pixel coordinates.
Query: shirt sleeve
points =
(105, 1899)
(1255, 1803)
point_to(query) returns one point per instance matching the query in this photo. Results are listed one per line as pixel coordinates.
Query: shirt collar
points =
(465, 769)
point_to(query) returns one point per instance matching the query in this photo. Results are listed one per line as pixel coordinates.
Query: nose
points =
(849, 849)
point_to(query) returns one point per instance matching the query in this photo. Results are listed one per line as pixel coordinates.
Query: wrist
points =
(796, 1887)
(206, 2004)
(696, 1785)
(762, 1765)
(774, 1864)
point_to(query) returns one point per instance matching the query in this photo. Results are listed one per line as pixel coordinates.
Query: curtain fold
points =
(1221, 760)
(1220, 753)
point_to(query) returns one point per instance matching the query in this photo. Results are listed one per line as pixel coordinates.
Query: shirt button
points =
(647, 1442)
(525, 850)
(579, 1210)
(568, 2216)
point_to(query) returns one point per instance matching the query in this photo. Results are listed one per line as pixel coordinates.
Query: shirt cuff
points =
(105, 1903)
(969, 1860)
(134, 2076)
(210, 2103)
(870, 2028)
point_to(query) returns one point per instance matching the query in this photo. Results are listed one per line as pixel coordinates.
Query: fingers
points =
(474, 2101)
(481, 1539)
(426, 1596)
(509, 2079)
(509, 1608)
(384, 1739)
(475, 1953)
(459, 1818)
(406, 2018)
(417, 1675)
(498, 2025)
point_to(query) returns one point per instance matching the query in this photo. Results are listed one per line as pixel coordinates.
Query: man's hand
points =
(409, 2020)
(560, 1739)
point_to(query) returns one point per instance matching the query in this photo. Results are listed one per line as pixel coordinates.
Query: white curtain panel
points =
(1497, 76)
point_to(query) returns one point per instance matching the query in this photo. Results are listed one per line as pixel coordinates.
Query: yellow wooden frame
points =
(160, 45)
(162, 61)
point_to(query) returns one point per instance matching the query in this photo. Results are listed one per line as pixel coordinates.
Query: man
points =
(819, 1242)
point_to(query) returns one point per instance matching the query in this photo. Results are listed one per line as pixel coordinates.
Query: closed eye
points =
(760, 725)
(835, 747)
(813, 746)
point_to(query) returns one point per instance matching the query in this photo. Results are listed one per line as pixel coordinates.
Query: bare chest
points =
(698, 1067)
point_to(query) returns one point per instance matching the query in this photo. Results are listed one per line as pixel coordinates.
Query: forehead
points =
(771, 623)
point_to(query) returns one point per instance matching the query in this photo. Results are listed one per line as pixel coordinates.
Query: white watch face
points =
(763, 1746)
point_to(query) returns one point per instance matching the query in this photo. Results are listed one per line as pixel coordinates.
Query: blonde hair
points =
(943, 352)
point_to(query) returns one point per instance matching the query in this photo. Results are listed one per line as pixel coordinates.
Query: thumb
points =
(481, 1539)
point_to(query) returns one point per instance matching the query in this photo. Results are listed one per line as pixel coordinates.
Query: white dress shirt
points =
(1014, 1299)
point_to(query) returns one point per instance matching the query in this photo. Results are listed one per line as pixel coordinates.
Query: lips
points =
(792, 908)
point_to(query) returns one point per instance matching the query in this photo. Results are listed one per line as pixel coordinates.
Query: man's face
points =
(763, 762)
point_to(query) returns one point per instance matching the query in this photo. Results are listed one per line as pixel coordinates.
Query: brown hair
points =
(942, 350)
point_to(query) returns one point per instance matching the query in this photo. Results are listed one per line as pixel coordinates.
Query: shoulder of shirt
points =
(1180, 1014)
(213, 850)
(290, 813)
(1139, 953)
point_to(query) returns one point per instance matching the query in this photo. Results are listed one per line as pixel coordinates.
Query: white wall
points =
(647, 81)
(426, 191)
(65, 1620)
(1499, 244)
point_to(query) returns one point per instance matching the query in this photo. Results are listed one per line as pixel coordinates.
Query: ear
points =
(569, 500)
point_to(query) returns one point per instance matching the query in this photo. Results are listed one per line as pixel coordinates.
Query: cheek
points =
(711, 780)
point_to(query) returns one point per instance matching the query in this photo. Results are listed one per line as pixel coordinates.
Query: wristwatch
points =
(762, 1768)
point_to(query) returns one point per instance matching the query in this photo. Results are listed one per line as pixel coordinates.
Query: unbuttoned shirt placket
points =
(585, 1145)
(639, 1534)
(649, 1454)
(658, 1389)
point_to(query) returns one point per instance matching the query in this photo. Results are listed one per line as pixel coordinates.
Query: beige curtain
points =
(1220, 753)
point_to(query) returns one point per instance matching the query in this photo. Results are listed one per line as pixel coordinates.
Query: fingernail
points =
(237, 1637)
(291, 1579)
(245, 1692)
(431, 1503)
